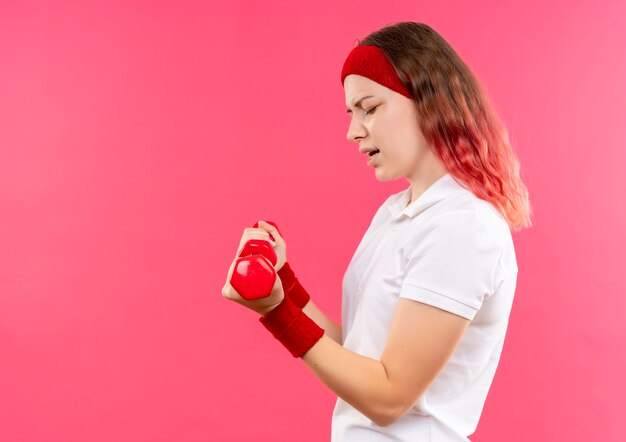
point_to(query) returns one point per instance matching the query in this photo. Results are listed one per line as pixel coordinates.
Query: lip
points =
(372, 161)
(366, 150)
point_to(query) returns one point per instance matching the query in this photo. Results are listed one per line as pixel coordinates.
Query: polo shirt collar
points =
(440, 189)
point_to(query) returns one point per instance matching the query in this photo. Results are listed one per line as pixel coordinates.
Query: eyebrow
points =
(358, 103)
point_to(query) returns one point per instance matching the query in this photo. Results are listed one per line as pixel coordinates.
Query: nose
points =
(355, 131)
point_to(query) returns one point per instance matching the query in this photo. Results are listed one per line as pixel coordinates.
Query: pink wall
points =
(137, 142)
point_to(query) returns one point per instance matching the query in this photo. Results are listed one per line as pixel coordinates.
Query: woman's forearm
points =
(359, 380)
(332, 329)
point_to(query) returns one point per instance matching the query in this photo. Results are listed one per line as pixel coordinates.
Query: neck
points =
(424, 179)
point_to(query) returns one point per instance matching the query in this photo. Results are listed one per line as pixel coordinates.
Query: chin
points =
(381, 176)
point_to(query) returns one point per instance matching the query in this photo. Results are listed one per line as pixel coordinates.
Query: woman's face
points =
(387, 121)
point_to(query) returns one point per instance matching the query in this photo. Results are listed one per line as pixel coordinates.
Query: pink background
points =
(138, 141)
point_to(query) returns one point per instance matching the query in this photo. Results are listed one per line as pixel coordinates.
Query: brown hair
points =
(456, 117)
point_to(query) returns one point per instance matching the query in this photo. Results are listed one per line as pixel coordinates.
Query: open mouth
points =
(374, 152)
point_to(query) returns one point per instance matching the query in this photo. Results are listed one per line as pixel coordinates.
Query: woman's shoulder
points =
(464, 211)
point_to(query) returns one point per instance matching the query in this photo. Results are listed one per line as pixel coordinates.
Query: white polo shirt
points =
(449, 249)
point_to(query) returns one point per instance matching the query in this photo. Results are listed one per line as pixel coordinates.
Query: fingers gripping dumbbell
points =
(256, 225)
(254, 274)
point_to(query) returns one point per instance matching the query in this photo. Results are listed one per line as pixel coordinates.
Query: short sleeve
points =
(451, 265)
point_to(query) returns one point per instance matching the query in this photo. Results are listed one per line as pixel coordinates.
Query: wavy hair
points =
(456, 117)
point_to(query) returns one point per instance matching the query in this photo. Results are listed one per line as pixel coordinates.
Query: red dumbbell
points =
(253, 277)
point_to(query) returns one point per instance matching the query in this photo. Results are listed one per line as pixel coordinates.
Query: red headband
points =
(371, 62)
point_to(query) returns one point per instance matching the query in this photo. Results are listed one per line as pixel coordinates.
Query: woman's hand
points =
(280, 247)
(261, 306)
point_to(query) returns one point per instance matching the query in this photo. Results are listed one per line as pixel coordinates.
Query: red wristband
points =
(292, 287)
(292, 327)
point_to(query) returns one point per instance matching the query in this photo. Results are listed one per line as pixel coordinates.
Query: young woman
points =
(428, 292)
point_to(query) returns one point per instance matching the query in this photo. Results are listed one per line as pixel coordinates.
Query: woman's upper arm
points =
(421, 340)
